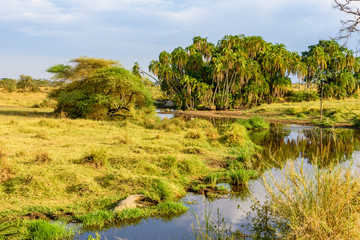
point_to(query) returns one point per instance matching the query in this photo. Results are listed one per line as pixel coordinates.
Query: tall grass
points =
(324, 204)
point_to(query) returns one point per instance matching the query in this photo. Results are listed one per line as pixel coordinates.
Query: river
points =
(281, 145)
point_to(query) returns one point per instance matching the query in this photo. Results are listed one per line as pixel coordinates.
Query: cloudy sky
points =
(36, 34)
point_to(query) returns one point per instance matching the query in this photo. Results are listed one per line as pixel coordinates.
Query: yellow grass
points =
(46, 155)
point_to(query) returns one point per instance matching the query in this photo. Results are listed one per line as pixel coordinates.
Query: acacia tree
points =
(81, 68)
(100, 89)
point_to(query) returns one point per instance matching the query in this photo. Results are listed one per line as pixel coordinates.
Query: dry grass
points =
(57, 162)
(324, 204)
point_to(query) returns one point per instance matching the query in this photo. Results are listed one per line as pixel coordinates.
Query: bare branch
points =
(351, 25)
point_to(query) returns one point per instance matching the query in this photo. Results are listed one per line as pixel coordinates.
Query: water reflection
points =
(322, 146)
(280, 145)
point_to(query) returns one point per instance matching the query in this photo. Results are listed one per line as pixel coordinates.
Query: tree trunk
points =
(321, 99)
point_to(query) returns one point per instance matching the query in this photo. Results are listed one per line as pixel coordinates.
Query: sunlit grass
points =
(321, 204)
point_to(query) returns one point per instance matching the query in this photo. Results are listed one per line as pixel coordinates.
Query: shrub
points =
(106, 93)
(356, 121)
(305, 95)
(8, 84)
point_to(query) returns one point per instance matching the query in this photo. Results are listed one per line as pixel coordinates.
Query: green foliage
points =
(238, 72)
(8, 84)
(26, 83)
(332, 67)
(8, 229)
(356, 122)
(97, 237)
(304, 95)
(234, 135)
(255, 122)
(43, 230)
(102, 93)
(241, 176)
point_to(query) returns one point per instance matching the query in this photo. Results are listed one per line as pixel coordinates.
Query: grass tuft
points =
(42, 157)
(324, 204)
(97, 158)
(43, 230)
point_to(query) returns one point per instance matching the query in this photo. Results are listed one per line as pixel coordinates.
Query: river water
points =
(281, 145)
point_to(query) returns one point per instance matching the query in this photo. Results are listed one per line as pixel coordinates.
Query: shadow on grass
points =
(26, 112)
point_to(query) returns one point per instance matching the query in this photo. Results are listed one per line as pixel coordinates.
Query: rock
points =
(131, 202)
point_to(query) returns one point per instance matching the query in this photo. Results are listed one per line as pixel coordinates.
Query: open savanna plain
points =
(59, 168)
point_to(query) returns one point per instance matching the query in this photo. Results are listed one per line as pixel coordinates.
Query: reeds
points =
(318, 204)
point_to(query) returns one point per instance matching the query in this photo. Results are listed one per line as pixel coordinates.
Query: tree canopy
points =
(238, 71)
(100, 89)
(333, 65)
(82, 67)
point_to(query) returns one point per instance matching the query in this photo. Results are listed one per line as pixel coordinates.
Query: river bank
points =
(337, 113)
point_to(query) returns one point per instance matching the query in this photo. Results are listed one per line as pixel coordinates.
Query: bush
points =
(107, 93)
(8, 84)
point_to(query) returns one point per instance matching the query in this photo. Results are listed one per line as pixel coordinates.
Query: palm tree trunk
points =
(321, 99)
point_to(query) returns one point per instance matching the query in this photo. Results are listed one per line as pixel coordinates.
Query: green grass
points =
(255, 122)
(43, 230)
(99, 219)
(63, 168)
(340, 112)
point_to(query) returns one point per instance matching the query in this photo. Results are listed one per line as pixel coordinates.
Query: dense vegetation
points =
(99, 89)
(23, 84)
(245, 71)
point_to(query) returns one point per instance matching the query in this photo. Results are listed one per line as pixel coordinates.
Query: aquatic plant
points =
(241, 176)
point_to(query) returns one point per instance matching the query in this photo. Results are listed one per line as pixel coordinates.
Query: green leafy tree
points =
(333, 68)
(239, 71)
(26, 83)
(103, 93)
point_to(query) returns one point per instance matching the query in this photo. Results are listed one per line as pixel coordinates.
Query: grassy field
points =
(57, 167)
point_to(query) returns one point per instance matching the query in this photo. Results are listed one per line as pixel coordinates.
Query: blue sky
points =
(36, 34)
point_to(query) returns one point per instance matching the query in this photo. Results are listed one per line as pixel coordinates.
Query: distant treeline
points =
(24, 83)
(241, 71)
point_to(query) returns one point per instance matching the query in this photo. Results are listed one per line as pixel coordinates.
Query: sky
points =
(36, 34)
